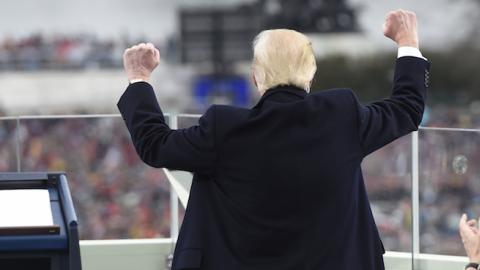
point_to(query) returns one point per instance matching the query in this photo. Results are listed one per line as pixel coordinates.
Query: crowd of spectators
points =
(447, 188)
(40, 52)
(117, 196)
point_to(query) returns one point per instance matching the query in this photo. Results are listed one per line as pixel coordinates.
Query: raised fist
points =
(401, 27)
(140, 60)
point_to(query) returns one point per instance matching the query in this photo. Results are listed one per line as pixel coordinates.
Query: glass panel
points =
(387, 174)
(8, 156)
(449, 186)
(115, 194)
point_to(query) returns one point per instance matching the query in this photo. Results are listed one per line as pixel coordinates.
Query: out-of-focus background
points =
(64, 57)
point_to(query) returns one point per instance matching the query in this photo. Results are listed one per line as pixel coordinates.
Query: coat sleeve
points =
(190, 149)
(381, 122)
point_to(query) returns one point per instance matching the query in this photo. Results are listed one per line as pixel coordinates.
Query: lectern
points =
(38, 224)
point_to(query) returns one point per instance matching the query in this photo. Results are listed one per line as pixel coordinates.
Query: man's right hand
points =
(401, 27)
(139, 61)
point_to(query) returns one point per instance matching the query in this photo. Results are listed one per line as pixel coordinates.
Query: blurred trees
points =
(454, 76)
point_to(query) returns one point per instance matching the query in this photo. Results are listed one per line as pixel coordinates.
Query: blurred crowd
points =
(453, 116)
(117, 196)
(39, 52)
(448, 182)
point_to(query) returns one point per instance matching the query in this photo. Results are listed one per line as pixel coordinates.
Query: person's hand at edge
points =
(470, 235)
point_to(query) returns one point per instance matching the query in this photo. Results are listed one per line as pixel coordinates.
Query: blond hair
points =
(283, 57)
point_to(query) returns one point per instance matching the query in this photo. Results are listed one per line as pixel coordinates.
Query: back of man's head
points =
(283, 57)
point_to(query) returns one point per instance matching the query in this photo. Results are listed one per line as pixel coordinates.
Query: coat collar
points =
(282, 92)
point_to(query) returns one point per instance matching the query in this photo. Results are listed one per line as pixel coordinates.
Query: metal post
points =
(173, 195)
(17, 145)
(415, 199)
(173, 119)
